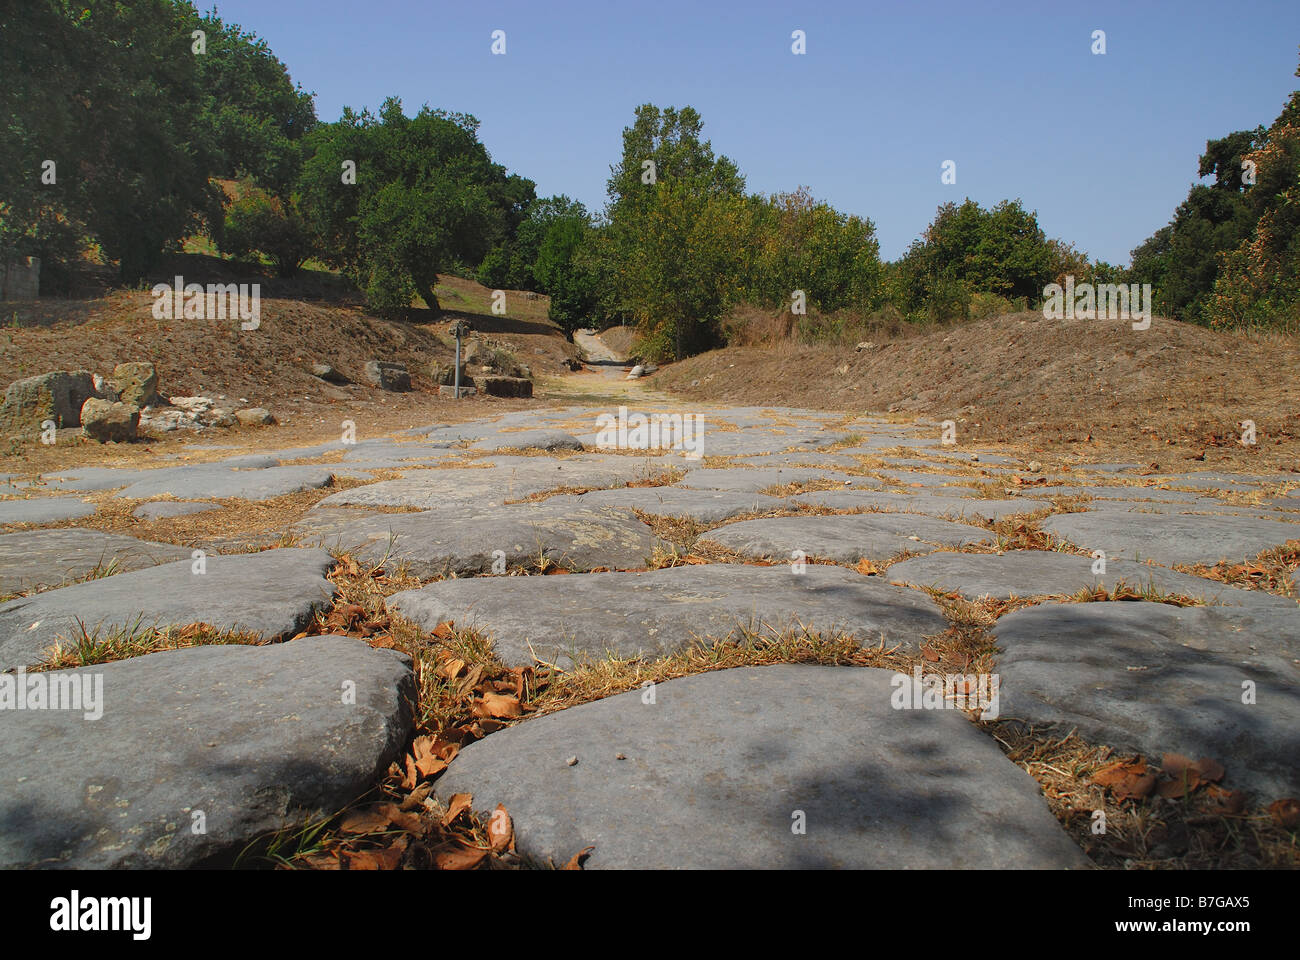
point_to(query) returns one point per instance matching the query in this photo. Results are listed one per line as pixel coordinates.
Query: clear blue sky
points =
(1103, 147)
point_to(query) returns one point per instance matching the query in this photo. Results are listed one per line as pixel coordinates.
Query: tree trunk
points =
(425, 289)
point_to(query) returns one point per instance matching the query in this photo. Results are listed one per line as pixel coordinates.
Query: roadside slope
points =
(1082, 389)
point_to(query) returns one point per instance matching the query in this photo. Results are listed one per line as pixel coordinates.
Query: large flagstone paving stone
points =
(932, 504)
(199, 481)
(812, 459)
(433, 544)
(1209, 508)
(44, 510)
(664, 611)
(844, 539)
(1029, 573)
(534, 439)
(1171, 538)
(704, 506)
(212, 482)
(753, 480)
(753, 442)
(96, 478)
(721, 764)
(273, 593)
(1162, 679)
(1142, 495)
(252, 738)
(1214, 481)
(36, 559)
(474, 489)
(167, 509)
(940, 482)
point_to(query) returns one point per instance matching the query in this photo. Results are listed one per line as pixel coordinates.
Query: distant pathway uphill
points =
(792, 520)
(595, 348)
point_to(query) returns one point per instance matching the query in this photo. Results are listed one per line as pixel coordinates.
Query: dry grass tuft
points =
(1204, 828)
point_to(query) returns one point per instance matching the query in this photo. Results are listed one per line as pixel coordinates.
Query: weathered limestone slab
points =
(756, 479)
(1162, 679)
(473, 489)
(721, 767)
(43, 510)
(1171, 539)
(662, 611)
(211, 482)
(163, 509)
(530, 439)
(273, 593)
(704, 506)
(250, 739)
(844, 539)
(1029, 573)
(432, 544)
(34, 559)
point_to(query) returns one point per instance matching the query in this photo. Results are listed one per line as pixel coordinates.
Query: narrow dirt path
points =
(598, 352)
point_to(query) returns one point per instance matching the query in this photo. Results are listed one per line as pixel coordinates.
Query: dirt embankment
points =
(1077, 389)
(621, 340)
(314, 318)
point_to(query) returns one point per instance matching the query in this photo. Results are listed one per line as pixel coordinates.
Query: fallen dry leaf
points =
(1285, 812)
(459, 803)
(388, 858)
(1126, 779)
(458, 857)
(497, 705)
(322, 861)
(1228, 801)
(1209, 770)
(575, 861)
(522, 677)
(415, 799)
(450, 669)
(501, 829)
(470, 680)
(412, 775)
(365, 820)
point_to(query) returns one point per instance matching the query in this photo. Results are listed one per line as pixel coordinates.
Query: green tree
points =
(684, 268)
(41, 51)
(1181, 260)
(252, 112)
(1259, 280)
(968, 250)
(510, 265)
(566, 267)
(807, 245)
(426, 196)
(136, 121)
(260, 222)
(669, 139)
(669, 257)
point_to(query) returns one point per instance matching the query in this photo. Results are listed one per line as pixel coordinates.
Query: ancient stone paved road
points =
(716, 767)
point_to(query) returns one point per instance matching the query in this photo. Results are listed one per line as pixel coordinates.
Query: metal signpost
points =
(459, 329)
